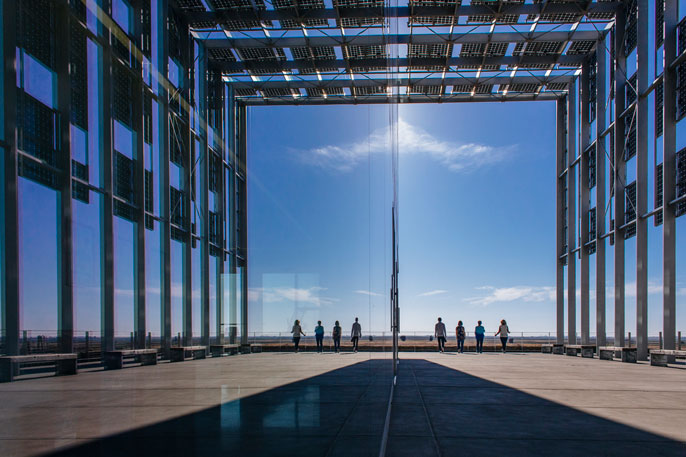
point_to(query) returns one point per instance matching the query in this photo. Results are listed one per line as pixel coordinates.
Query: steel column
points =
(584, 205)
(107, 208)
(669, 175)
(242, 243)
(188, 148)
(572, 173)
(619, 175)
(560, 213)
(10, 219)
(600, 202)
(641, 120)
(203, 164)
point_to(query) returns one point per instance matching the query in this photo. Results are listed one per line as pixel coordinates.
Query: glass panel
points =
(176, 291)
(153, 296)
(39, 81)
(123, 281)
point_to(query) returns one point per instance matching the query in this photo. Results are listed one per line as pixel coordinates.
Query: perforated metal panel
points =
(631, 30)
(659, 192)
(659, 22)
(592, 167)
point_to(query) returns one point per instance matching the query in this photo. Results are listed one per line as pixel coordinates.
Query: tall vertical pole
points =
(189, 149)
(600, 203)
(242, 243)
(10, 219)
(107, 208)
(560, 217)
(162, 63)
(668, 181)
(139, 195)
(619, 173)
(203, 165)
(584, 203)
(642, 83)
(572, 172)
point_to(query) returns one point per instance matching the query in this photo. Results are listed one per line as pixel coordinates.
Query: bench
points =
(114, 360)
(251, 347)
(660, 357)
(65, 364)
(629, 355)
(218, 350)
(586, 350)
(178, 353)
(554, 348)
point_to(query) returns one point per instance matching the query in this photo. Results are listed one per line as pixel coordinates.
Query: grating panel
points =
(659, 23)
(659, 192)
(592, 167)
(659, 112)
(681, 91)
(631, 30)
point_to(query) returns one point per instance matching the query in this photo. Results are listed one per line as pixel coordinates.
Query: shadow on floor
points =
(339, 413)
(437, 411)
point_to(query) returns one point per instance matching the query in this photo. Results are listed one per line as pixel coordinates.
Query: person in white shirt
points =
(356, 334)
(503, 331)
(297, 331)
(440, 334)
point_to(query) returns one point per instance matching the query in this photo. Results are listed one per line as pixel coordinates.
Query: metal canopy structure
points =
(146, 123)
(361, 51)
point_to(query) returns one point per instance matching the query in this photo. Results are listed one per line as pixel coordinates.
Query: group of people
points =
(440, 333)
(479, 333)
(355, 335)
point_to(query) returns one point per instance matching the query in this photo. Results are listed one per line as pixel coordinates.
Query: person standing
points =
(319, 336)
(297, 331)
(337, 331)
(504, 331)
(440, 334)
(479, 333)
(356, 334)
(460, 334)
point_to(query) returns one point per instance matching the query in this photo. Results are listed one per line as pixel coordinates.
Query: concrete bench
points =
(629, 355)
(554, 348)
(65, 364)
(586, 350)
(114, 360)
(660, 357)
(251, 347)
(218, 350)
(178, 354)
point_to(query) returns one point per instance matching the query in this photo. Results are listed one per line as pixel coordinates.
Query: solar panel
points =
(245, 92)
(319, 92)
(221, 54)
(278, 92)
(556, 86)
(369, 90)
(360, 21)
(426, 90)
(680, 182)
(659, 192)
(240, 5)
(297, 6)
(495, 5)
(659, 103)
(581, 47)
(524, 88)
(468, 88)
(564, 18)
(433, 20)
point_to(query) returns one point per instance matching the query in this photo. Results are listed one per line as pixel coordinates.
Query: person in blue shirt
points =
(319, 336)
(479, 333)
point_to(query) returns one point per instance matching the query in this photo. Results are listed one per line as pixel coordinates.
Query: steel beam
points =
(399, 82)
(399, 39)
(386, 99)
(600, 202)
(669, 175)
(219, 17)
(642, 81)
(584, 205)
(619, 175)
(560, 166)
(10, 219)
(572, 173)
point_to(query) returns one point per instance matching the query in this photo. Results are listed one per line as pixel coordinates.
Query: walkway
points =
(335, 405)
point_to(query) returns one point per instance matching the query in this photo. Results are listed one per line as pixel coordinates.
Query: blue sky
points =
(477, 218)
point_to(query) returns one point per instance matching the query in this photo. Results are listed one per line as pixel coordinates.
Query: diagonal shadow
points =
(437, 411)
(440, 411)
(338, 413)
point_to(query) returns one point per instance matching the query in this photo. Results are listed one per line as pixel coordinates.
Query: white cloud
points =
(412, 140)
(367, 292)
(309, 295)
(509, 294)
(432, 292)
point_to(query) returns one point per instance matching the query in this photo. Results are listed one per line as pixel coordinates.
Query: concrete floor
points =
(328, 405)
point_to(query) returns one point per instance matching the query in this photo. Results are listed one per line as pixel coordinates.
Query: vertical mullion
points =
(571, 214)
(107, 212)
(584, 204)
(66, 291)
(188, 146)
(560, 209)
(139, 196)
(600, 203)
(619, 174)
(242, 243)
(203, 163)
(10, 219)
(668, 180)
(642, 183)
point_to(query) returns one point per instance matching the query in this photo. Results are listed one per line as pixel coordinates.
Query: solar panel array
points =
(289, 51)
